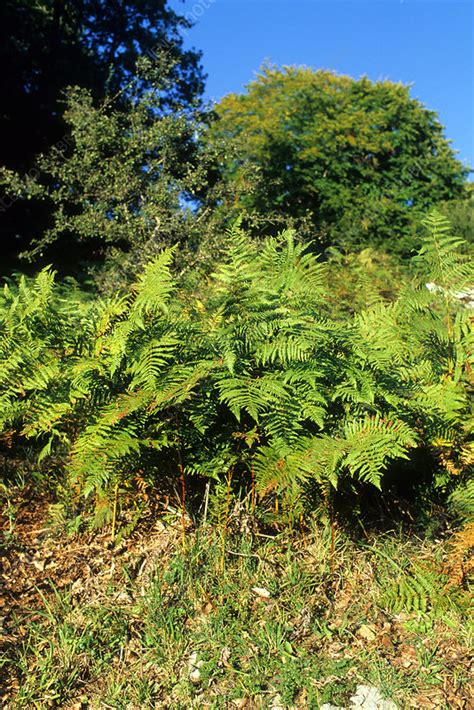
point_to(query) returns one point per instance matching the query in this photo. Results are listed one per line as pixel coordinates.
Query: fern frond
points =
(373, 442)
(253, 396)
(418, 590)
(446, 265)
(150, 361)
(155, 285)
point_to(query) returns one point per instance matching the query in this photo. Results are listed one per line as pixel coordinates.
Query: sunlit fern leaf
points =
(253, 396)
(441, 256)
(373, 442)
(151, 359)
(44, 376)
(462, 498)
(143, 380)
(444, 397)
(43, 415)
(359, 386)
(154, 285)
(418, 589)
(281, 466)
(179, 384)
(292, 269)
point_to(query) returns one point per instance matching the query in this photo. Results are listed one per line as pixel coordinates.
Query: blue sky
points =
(427, 43)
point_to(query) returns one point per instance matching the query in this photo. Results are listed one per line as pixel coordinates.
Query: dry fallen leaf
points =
(224, 658)
(409, 656)
(367, 632)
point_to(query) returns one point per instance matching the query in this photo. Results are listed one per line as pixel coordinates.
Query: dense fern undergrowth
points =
(253, 386)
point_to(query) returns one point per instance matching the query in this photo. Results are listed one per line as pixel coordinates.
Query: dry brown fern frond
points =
(460, 566)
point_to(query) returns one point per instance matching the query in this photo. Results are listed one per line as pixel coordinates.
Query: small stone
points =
(370, 698)
(261, 592)
(195, 676)
(194, 673)
(277, 703)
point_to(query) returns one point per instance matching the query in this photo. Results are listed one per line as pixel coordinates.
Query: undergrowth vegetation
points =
(261, 408)
(249, 387)
(236, 420)
(279, 626)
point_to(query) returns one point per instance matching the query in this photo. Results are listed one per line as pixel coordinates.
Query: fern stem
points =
(226, 519)
(206, 501)
(302, 529)
(183, 508)
(252, 489)
(449, 327)
(114, 512)
(445, 286)
(333, 530)
(183, 487)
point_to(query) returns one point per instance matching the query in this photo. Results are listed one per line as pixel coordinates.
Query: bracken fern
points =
(247, 378)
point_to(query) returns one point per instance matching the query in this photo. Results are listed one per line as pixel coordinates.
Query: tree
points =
(349, 162)
(48, 45)
(123, 181)
(460, 213)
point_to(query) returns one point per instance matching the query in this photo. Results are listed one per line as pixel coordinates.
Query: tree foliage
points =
(122, 181)
(460, 213)
(349, 162)
(47, 46)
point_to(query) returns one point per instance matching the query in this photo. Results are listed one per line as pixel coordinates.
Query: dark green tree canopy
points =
(460, 213)
(349, 162)
(49, 45)
(122, 183)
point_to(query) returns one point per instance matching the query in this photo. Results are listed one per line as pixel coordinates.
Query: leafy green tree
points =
(348, 162)
(460, 213)
(124, 180)
(48, 45)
